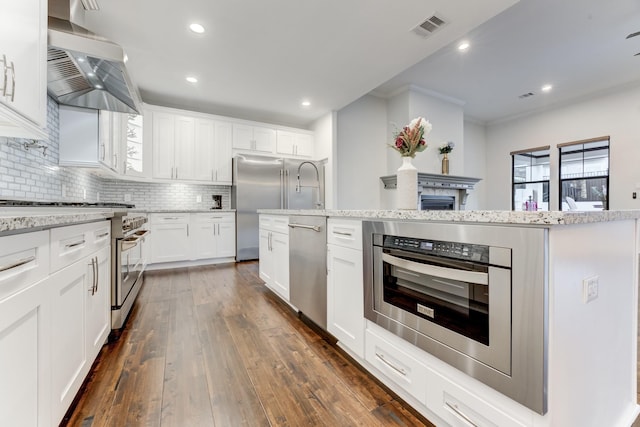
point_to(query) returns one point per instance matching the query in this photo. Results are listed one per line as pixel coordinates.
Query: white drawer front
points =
(168, 218)
(345, 232)
(396, 365)
(213, 217)
(24, 259)
(279, 223)
(69, 244)
(461, 407)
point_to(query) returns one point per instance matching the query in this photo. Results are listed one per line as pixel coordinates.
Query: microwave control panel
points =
(463, 251)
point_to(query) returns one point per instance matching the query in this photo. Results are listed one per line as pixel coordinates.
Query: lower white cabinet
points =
(169, 237)
(188, 237)
(55, 312)
(274, 254)
(345, 302)
(25, 364)
(214, 235)
(80, 324)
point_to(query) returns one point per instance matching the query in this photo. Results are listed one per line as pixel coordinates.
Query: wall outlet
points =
(199, 198)
(589, 289)
(127, 197)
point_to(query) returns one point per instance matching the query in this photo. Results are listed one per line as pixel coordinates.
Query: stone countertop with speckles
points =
(544, 218)
(19, 220)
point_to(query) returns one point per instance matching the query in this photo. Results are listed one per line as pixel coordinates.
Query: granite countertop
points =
(16, 220)
(488, 217)
(183, 210)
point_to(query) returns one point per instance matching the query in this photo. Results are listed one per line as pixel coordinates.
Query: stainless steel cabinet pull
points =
(171, 217)
(17, 263)
(73, 245)
(342, 233)
(115, 160)
(4, 73)
(187, 230)
(457, 411)
(176, 172)
(97, 273)
(386, 362)
(103, 152)
(310, 227)
(13, 81)
(93, 278)
(103, 235)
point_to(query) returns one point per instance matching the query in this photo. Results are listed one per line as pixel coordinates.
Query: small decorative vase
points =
(407, 187)
(445, 164)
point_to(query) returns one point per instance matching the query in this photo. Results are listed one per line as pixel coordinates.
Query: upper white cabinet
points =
(23, 62)
(294, 143)
(173, 146)
(134, 147)
(190, 147)
(111, 131)
(254, 138)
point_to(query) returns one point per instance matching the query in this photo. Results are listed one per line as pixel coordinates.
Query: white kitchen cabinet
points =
(173, 146)
(222, 164)
(25, 329)
(23, 62)
(254, 138)
(274, 254)
(25, 348)
(169, 237)
(213, 235)
(294, 143)
(213, 151)
(345, 303)
(112, 134)
(80, 295)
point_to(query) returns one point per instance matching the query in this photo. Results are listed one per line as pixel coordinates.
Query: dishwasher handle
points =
(310, 227)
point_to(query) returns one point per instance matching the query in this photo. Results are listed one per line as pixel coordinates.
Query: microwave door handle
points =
(443, 272)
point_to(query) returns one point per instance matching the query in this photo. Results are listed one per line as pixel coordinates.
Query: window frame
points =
(543, 181)
(561, 180)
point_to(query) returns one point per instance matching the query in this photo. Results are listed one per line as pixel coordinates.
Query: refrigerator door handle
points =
(281, 189)
(286, 189)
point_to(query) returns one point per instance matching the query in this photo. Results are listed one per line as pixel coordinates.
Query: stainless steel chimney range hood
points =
(83, 68)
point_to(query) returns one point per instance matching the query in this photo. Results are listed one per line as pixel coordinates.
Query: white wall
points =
(446, 117)
(475, 161)
(361, 149)
(616, 114)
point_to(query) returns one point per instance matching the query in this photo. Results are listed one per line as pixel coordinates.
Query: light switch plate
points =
(589, 289)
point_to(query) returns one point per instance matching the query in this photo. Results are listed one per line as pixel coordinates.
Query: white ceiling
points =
(259, 59)
(578, 46)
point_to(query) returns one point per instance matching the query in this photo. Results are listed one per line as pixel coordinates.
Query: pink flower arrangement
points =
(411, 138)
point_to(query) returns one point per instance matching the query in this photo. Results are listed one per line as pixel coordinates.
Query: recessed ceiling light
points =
(546, 88)
(196, 28)
(98, 86)
(91, 74)
(306, 103)
(192, 79)
(463, 46)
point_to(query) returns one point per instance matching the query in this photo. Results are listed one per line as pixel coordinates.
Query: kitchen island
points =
(589, 305)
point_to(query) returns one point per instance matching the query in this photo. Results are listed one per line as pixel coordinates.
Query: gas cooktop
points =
(31, 203)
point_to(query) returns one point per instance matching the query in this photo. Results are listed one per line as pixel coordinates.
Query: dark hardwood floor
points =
(211, 346)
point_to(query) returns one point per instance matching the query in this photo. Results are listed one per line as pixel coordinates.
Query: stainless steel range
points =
(473, 296)
(128, 263)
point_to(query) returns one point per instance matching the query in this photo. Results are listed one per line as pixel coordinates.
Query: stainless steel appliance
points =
(308, 266)
(270, 183)
(128, 260)
(473, 296)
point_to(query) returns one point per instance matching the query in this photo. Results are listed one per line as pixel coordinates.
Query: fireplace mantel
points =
(453, 183)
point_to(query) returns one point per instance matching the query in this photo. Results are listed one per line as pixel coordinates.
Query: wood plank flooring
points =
(211, 346)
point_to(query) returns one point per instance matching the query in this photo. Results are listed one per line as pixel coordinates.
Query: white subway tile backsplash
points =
(28, 175)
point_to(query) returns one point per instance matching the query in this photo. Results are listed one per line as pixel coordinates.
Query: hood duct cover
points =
(86, 70)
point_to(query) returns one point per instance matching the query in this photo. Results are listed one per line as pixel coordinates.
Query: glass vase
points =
(407, 185)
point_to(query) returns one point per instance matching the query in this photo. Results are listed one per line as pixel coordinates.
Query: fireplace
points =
(437, 203)
(435, 191)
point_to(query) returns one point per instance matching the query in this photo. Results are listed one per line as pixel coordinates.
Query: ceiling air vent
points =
(526, 95)
(430, 26)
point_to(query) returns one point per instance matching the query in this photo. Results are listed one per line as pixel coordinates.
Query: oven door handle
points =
(443, 272)
(128, 243)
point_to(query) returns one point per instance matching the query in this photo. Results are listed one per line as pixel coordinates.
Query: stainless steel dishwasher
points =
(308, 266)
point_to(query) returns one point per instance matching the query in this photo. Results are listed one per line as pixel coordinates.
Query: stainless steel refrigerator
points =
(271, 183)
